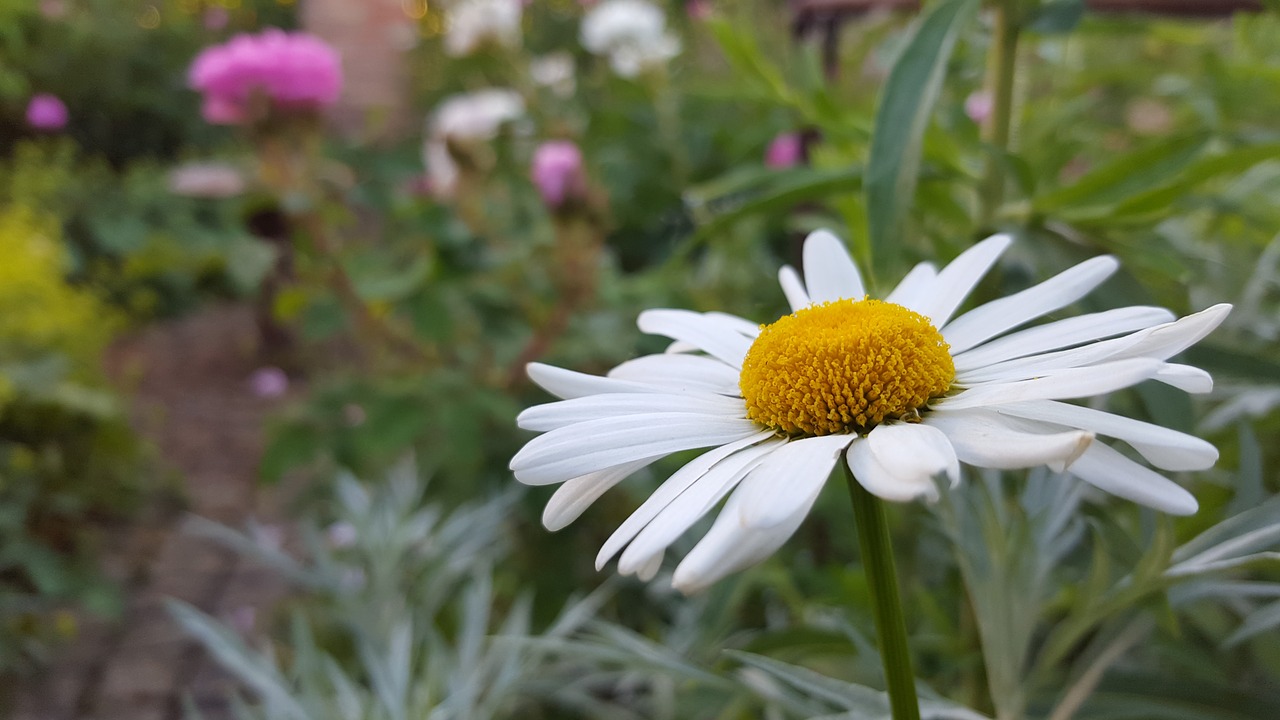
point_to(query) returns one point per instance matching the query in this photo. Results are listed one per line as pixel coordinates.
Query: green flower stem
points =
(1001, 65)
(891, 628)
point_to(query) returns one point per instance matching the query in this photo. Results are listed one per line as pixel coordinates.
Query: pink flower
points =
(269, 382)
(786, 151)
(978, 106)
(292, 72)
(215, 18)
(46, 112)
(557, 172)
(53, 9)
(699, 9)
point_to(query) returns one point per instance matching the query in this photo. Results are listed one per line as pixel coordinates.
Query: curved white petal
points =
(915, 287)
(569, 384)
(1166, 341)
(914, 452)
(984, 439)
(649, 569)
(1163, 447)
(1058, 384)
(555, 415)
(987, 321)
(733, 322)
(958, 279)
(689, 506)
(882, 481)
(1185, 377)
(587, 447)
(829, 272)
(669, 490)
(681, 373)
(713, 335)
(797, 296)
(572, 498)
(791, 477)
(1061, 334)
(728, 547)
(1107, 469)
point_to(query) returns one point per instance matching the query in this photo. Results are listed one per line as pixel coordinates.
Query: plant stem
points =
(891, 628)
(1001, 65)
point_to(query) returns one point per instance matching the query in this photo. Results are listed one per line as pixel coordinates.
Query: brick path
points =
(191, 401)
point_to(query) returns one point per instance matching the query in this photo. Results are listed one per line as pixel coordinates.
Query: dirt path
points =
(191, 400)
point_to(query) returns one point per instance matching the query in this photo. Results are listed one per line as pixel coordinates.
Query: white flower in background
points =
(631, 33)
(901, 388)
(554, 72)
(470, 25)
(462, 120)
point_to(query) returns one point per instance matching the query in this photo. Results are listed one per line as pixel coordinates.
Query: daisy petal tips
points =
(903, 389)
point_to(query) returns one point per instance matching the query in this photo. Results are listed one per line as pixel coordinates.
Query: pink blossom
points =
(557, 172)
(293, 72)
(786, 150)
(46, 112)
(699, 9)
(978, 106)
(269, 382)
(53, 9)
(215, 17)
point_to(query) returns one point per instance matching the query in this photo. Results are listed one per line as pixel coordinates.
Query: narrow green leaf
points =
(1125, 177)
(1230, 163)
(915, 80)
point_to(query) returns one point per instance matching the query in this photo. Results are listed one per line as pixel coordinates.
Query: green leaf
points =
(248, 262)
(893, 166)
(1228, 164)
(1124, 177)
(783, 190)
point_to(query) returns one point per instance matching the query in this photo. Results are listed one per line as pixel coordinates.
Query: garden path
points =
(191, 401)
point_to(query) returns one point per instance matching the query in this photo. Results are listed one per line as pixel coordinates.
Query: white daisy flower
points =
(461, 120)
(901, 387)
(631, 33)
(473, 25)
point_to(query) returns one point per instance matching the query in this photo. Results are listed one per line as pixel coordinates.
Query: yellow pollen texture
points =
(844, 366)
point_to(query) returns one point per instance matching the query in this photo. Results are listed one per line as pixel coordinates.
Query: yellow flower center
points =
(844, 366)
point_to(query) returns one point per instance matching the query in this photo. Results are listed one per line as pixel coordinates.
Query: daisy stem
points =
(882, 578)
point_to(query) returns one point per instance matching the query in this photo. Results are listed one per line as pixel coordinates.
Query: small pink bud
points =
(978, 106)
(786, 151)
(557, 172)
(269, 382)
(46, 112)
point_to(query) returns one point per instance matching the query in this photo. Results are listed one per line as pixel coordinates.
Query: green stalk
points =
(1001, 65)
(891, 628)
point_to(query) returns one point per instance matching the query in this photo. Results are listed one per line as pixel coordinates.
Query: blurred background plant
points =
(574, 164)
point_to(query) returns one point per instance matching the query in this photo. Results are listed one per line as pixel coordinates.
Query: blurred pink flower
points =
(557, 172)
(53, 9)
(786, 150)
(978, 106)
(46, 112)
(242, 619)
(269, 382)
(699, 9)
(294, 72)
(342, 534)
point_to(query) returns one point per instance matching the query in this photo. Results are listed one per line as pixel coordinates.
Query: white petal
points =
(998, 316)
(576, 495)
(1163, 447)
(1059, 384)
(829, 272)
(792, 476)
(741, 325)
(728, 547)
(958, 278)
(1050, 362)
(599, 444)
(881, 481)
(1166, 341)
(681, 373)
(1104, 468)
(689, 506)
(681, 480)
(713, 335)
(1185, 378)
(983, 439)
(1061, 334)
(679, 346)
(650, 568)
(551, 416)
(797, 297)
(570, 384)
(915, 287)
(914, 452)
